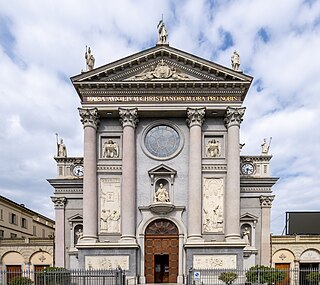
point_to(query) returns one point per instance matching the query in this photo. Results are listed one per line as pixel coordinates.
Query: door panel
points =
(161, 252)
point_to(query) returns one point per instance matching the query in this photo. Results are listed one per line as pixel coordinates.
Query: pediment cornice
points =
(161, 69)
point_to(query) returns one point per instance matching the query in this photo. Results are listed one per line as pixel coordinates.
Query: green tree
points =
(54, 276)
(264, 274)
(313, 277)
(228, 277)
(19, 280)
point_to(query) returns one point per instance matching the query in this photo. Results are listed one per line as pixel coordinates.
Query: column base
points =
(195, 239)
(128, 239)
(234, 238)
(88, 239)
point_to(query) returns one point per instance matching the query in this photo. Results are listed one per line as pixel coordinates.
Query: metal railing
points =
(253, 276)
(63, 277)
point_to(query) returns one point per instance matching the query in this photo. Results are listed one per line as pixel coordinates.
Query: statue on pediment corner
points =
(89, 59)
(235, 61)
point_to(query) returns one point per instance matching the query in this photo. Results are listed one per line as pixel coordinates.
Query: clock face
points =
(247, 168)
(78, 170)
(162, 141)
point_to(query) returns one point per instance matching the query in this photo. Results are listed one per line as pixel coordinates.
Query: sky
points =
(42, 44)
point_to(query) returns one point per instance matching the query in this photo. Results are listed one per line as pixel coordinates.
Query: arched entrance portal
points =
(161, 252)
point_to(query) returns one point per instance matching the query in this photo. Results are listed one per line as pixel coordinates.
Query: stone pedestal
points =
(194, 121)
(232, 120)
(128, 119)
(90, 121)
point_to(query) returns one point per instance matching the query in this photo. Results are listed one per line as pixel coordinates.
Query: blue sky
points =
(42, 44)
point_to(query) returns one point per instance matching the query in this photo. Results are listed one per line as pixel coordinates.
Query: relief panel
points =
(212, 203)
(214, 261)
(107, 262)
(110, 205)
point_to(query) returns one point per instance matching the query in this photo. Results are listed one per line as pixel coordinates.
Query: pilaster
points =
(265, 203)
(128, 120)
(195, 118)
(233, 119)
(59, 206)
(90, 121)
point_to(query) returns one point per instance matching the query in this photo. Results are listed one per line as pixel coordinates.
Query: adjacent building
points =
(26, 238)
(161, 186)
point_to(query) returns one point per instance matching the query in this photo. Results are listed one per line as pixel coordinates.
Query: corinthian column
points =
(90, 121)
(59, 254)
(129, 120)
(232, 121)
(194, 121)
(265, 203)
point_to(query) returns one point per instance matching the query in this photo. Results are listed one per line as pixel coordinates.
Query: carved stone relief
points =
(214, 261)
(213, 147)
(107, 262)
(161, 71)
(110, 205)
(212, 218)
(110, 148)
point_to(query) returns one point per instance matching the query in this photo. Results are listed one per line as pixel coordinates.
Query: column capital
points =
(89, 117)
(234, 116)
(266, 201)
(195, 116)
(128, 117)
(59, 202)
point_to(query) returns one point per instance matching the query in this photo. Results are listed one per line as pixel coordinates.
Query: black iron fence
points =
(254, 276)
(63, 277)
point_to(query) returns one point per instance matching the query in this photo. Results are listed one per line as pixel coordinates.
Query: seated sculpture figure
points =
(161, 195)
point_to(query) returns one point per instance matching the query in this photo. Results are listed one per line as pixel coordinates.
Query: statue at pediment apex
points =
(162, 33)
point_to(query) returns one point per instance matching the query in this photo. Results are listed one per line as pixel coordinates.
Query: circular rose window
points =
(162, 141)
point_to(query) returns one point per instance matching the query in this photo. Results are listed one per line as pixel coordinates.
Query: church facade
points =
(161, 186)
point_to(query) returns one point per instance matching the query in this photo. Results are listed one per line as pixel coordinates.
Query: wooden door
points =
(13, 271)
(286, 268)
(161, 252)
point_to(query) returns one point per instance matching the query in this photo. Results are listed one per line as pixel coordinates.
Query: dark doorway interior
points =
(161, 268)
(305, 269)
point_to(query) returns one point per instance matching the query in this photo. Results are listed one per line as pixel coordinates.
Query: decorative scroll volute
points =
(128, 117)
(89, 117)
(234, 116)
(195, 116)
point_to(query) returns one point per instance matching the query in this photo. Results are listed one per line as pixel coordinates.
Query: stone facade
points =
(163, 120)
(26, 240)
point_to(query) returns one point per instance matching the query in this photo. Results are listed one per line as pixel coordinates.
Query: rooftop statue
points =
(235, 61)
(89, 59)
(265, 146)
(162, 33)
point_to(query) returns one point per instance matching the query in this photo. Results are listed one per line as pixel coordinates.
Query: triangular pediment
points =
(162, 169)
(247, 217)
(75, 218)
(161, 63)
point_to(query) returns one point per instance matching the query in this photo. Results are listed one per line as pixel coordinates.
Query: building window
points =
(13, 218)
(43, 233)
(13, 235)
(24, 223)
(1, 215)
(1, 234)
(34, 230)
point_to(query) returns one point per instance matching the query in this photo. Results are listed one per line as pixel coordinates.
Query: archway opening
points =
(161, 252)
